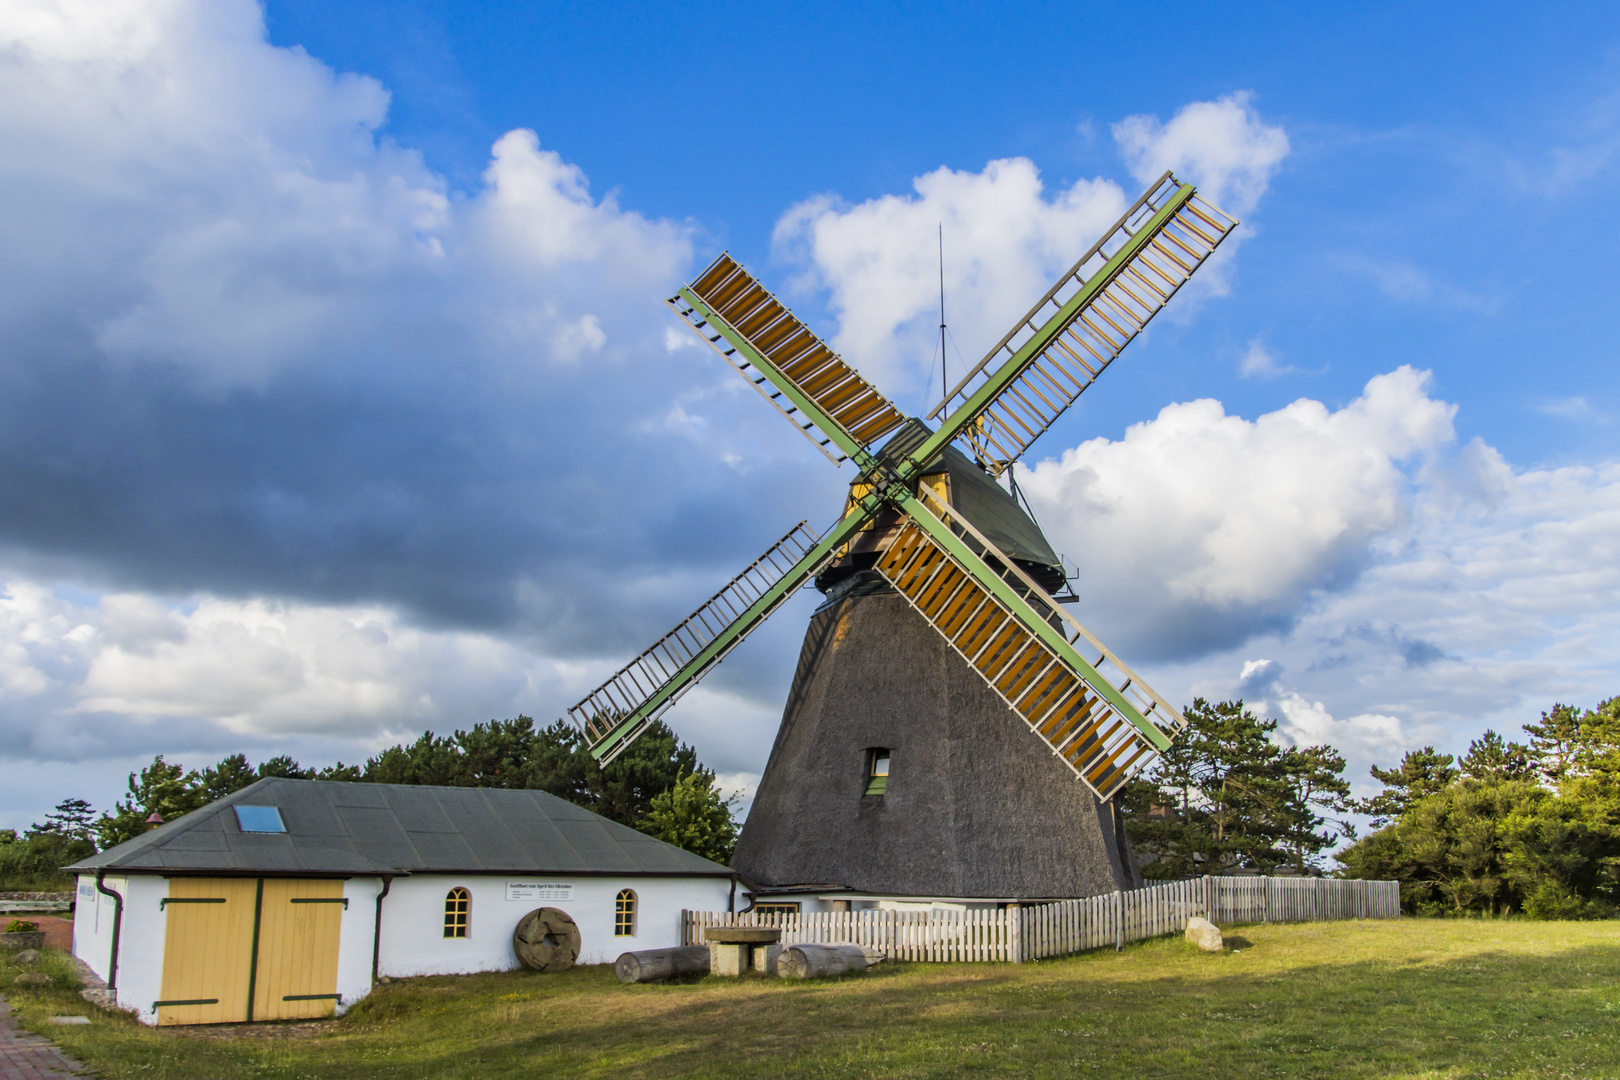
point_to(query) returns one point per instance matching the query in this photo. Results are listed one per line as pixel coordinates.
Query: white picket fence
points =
(1270, 899)
(1018, 932)
(938, 935)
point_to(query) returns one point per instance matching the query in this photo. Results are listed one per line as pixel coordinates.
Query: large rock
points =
(27, 958)
(32, 978)
(1204, 934)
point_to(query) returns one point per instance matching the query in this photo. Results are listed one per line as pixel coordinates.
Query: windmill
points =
(932, 572)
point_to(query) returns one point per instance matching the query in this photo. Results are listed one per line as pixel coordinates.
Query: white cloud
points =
(189, 201)
(1568, 408)
(1364, 739)
(1261, 362)
(1227, 151)
(216, 203)
(1222, 146)
(251, 667)
(1470, 593)
(1199, 528)
(1005, 241)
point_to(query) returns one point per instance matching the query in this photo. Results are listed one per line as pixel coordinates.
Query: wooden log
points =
(820, 961)
(652, 965)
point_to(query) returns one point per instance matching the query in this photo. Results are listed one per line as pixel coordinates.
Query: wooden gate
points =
(207, 950)
(296, 974)
(241, 949)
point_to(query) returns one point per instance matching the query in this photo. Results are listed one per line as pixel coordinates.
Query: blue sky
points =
(337, 401)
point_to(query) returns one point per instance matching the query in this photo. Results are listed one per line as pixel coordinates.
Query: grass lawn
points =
(1408, 998)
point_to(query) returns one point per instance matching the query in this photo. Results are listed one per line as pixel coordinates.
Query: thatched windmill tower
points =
(945, 702)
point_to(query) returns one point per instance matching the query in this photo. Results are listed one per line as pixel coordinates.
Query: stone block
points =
(765, 958)
(729, 958)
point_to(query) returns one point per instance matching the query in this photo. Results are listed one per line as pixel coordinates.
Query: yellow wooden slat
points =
(298, 949)
(1030, 676)
(207, 950)
(776, 332)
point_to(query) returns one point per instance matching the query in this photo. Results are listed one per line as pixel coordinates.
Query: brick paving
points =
(24, 1056)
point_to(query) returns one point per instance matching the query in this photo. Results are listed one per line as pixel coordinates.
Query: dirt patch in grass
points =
(1410, 998)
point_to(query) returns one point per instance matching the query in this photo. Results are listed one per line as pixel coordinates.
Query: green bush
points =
(34, 863)
(22, 926)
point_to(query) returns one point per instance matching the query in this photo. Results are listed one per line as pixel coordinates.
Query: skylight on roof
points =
(259, 819)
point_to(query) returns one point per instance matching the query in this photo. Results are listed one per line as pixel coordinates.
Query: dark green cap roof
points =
(976, 495)
(338, 828)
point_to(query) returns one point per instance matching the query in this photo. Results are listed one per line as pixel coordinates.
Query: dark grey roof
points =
(977, 495)
(346, 828)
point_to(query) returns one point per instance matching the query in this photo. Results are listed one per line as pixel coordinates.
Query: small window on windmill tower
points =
(877, 771)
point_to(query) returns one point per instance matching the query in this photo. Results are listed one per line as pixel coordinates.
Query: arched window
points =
(457, 906)
(624, 914)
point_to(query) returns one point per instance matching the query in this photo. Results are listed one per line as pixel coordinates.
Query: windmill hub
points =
(945, 702)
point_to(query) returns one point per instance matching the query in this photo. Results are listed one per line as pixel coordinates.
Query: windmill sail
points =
(771, 336)
(1105, 730)
(612, 715)
(1059, 348)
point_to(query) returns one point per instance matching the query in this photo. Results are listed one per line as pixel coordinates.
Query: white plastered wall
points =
(140, 940)
(413, 941)
(355, 940)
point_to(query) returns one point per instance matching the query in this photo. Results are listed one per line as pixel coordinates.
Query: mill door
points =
(207, 950)
(299, 921)
(250, 949)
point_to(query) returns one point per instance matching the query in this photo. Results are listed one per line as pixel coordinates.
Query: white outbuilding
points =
(290, 898)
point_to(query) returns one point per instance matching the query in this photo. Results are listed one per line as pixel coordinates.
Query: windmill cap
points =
(975, 495)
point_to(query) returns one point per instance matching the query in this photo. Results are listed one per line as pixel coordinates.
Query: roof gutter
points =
(376, 926)
(118, 924)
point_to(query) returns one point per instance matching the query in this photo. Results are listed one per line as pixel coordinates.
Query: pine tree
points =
(1554, 741)
(693, 815)
(161, 788)
(1489, 757)
(1226, 797)
(72, 818)
(1420, 774)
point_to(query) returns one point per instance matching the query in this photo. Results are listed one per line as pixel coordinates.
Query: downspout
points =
(731, 901)
(118, 923)
(376, 926)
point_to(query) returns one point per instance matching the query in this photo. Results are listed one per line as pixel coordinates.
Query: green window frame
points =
(877, 771)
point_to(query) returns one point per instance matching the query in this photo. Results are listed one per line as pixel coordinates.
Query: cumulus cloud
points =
(1005, 238)
(1492, 595)
(1222, 146)
(1226, 150)
(253, 348)
(1005, 241)
(1199, 529)
(254, 668)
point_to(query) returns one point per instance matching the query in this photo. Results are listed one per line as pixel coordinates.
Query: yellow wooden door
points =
(207, 950)
(299, 921)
